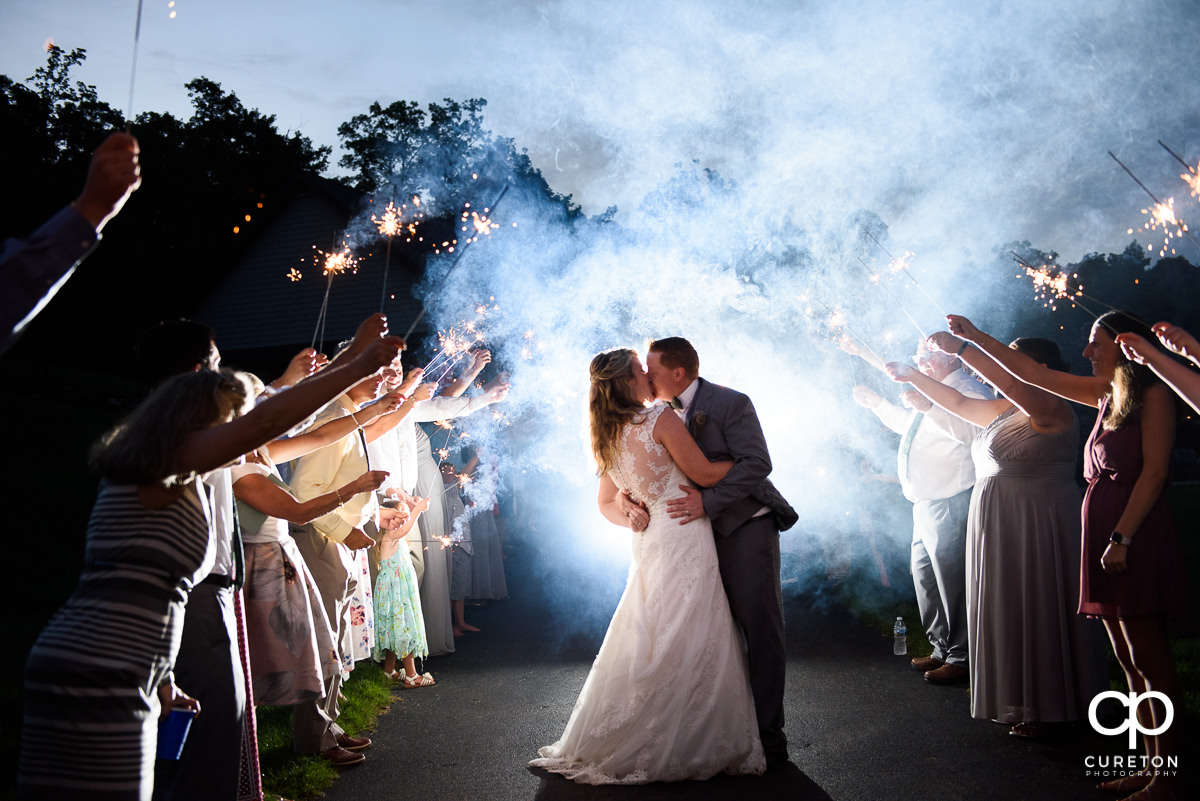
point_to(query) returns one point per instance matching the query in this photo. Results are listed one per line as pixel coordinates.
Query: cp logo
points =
(1131, 700)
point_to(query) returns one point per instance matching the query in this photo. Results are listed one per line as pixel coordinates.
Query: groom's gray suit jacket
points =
(725, 426)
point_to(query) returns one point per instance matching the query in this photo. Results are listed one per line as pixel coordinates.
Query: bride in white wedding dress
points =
(668, 697)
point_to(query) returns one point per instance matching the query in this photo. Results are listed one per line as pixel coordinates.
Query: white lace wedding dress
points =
(667, 698)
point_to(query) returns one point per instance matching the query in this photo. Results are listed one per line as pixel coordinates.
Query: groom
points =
(747, 514)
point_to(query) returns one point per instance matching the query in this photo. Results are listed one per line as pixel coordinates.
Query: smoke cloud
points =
(771, 161)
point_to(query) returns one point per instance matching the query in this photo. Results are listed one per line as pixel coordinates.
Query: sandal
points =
(420, 680)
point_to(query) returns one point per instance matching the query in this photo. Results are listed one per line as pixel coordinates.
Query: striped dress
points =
(91, 703)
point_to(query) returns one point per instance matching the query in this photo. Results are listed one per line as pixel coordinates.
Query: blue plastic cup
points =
(173, 732)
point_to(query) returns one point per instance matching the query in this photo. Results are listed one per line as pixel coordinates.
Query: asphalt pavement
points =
(861, 723)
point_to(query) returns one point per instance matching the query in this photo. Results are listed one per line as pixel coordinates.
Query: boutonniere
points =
(699, 419)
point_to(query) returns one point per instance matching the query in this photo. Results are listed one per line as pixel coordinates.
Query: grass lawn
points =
(289, 775)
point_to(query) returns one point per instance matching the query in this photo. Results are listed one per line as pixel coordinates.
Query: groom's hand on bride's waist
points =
(688, 508)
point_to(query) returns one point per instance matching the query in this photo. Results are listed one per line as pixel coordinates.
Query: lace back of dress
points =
(643, 466)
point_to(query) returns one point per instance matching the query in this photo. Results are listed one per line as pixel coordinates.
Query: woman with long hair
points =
(668, 696)
(1131, 572)
(100, 673)
(1032, 660)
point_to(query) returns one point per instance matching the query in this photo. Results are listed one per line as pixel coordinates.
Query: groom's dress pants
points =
(757, 606)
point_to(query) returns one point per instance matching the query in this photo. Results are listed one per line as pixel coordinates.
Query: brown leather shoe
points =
(926, 663)
(946, 674)
(341, 758)
(349, 743)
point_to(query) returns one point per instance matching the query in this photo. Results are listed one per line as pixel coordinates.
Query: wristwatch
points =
(1120, 539)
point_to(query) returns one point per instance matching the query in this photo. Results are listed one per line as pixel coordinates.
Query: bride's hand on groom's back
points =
(635, 511)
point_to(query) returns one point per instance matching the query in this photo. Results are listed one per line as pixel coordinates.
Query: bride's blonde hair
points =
(611, 403)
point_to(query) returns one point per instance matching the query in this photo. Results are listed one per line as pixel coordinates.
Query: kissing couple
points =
(673, 695)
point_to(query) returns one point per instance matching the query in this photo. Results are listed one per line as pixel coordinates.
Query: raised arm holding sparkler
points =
(33, 269)
(479, 359)
(1126, 463)
(977, 411)
(1023, 545)
(399, 407)
(1088, 390)
(368, 330)
(854, 347)
(1178, 376)
(302, 365)
(1048, 414)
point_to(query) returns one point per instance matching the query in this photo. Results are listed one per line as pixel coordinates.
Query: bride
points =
(668, 697)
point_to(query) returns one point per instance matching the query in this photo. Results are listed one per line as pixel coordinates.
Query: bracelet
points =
(962, 348)
(337, 491)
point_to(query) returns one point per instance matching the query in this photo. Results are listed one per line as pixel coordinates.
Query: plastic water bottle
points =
(900, 644)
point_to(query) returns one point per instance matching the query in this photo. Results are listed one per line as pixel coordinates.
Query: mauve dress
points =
(1154, 582)
(1032, 659)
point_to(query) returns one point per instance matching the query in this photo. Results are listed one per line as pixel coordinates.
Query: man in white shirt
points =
(936, 475)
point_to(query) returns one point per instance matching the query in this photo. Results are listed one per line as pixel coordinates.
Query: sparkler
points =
(336, 263)
(1160, 214)
(838, 320)
(900, 264)
(1192, 176)
(463, 481)
(455, 345)
(390, 224)
(457, 260)
(137, 37)
(878, 280)
(1049, 287)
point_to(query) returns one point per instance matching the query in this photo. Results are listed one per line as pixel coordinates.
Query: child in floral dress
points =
(399, 626)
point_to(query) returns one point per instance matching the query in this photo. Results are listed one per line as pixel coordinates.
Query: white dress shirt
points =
(939, 459)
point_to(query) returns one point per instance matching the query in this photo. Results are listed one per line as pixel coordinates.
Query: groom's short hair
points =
(677, 352)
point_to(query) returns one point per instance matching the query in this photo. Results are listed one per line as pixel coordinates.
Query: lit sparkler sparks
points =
(476, 224)
(900, 264)
(337, 263)
(1160, 214)
(457, 261)
(1051, 285)
(392, 223)
(837, 320)
(1192, 176)
(331, 264)
(457, 342)
(877, 279)
(530, 344)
